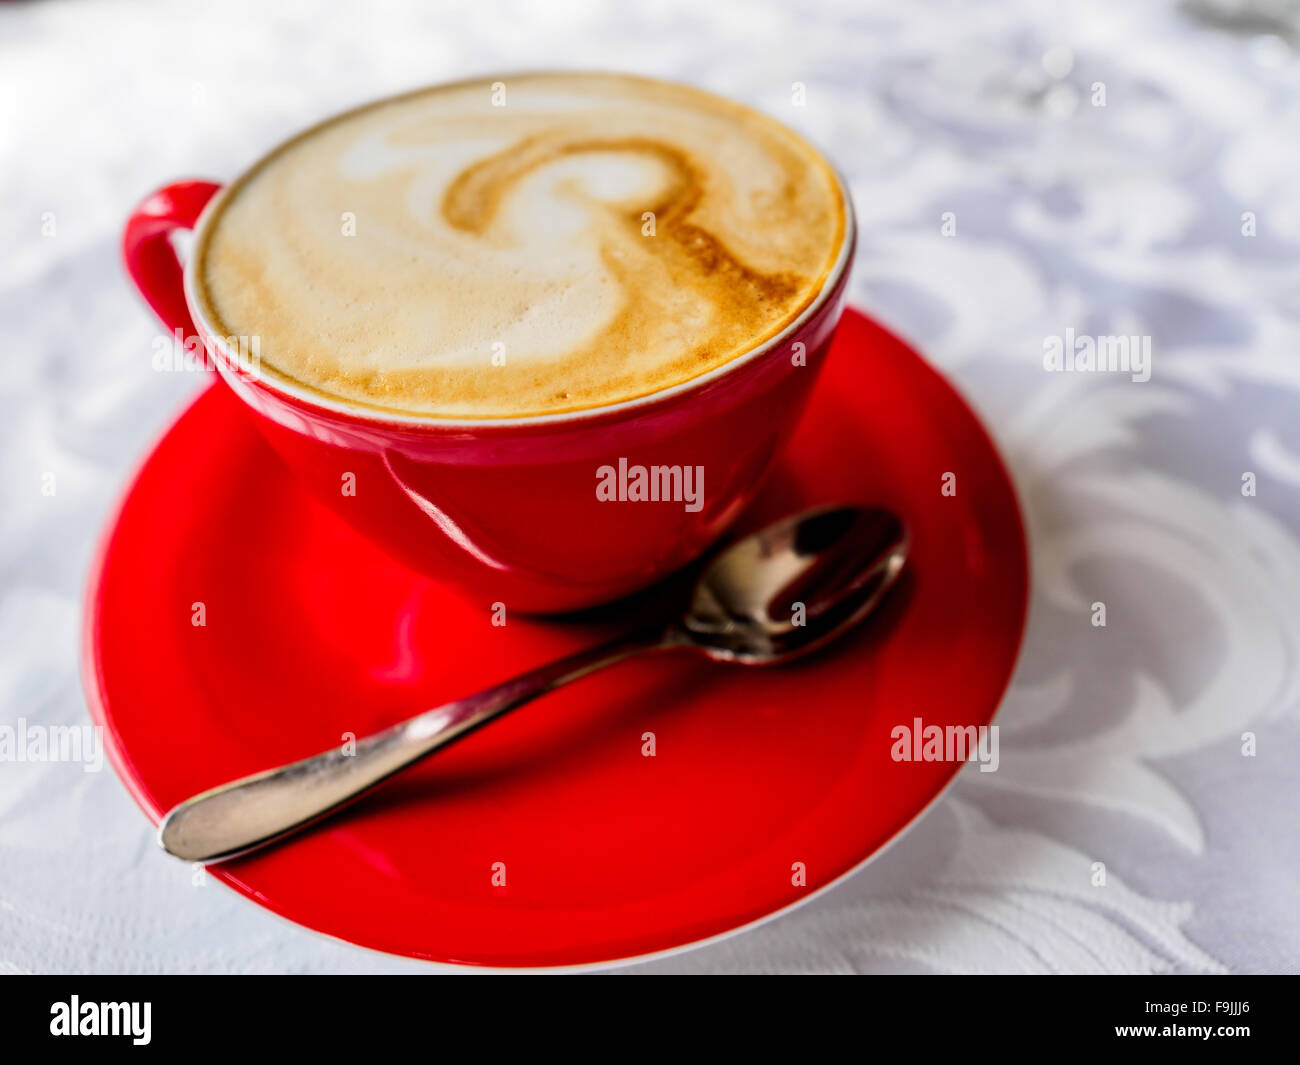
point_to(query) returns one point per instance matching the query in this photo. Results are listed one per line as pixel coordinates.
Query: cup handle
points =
(149, 256)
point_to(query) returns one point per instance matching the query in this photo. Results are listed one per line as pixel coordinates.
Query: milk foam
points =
(438, 254)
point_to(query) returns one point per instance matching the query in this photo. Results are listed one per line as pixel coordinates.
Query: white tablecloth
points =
(1112, 168)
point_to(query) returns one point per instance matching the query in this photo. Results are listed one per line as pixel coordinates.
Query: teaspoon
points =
(772, 596)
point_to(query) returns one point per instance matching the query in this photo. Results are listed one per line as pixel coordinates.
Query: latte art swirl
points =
(595, 239)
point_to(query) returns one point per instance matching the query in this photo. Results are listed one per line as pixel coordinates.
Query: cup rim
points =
(302, 395)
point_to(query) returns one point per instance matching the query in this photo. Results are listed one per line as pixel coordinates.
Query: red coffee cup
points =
(517, 510)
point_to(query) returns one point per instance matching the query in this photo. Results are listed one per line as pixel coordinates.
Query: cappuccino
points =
(529, 245)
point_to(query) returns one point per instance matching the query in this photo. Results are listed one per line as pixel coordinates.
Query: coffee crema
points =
(521, 246)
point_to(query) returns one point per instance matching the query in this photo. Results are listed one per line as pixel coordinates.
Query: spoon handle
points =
(250, 813)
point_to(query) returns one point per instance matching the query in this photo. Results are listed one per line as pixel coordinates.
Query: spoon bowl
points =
(794, 586)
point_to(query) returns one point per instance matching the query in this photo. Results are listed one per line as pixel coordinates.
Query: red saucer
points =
(311, 633)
